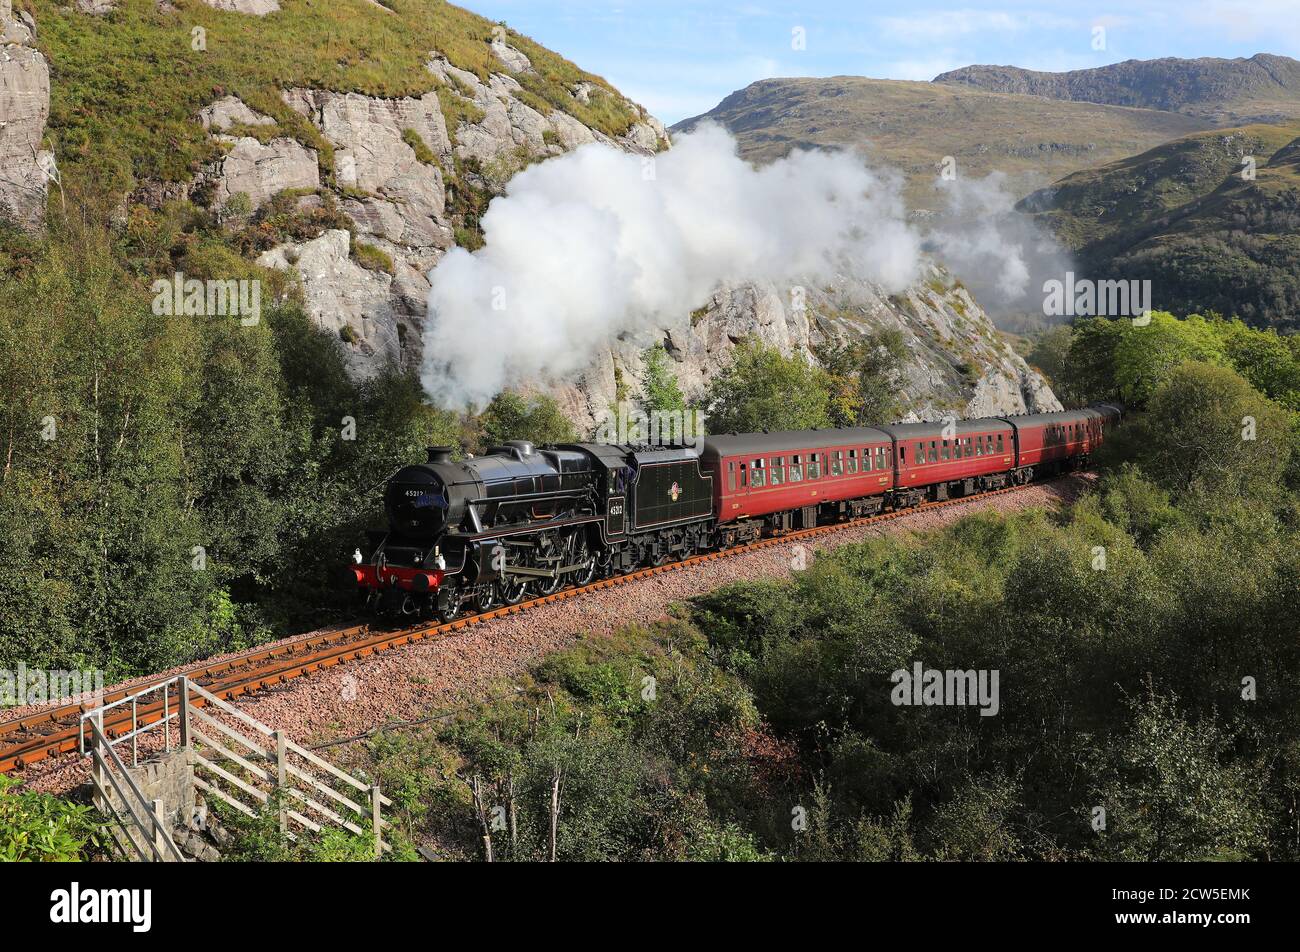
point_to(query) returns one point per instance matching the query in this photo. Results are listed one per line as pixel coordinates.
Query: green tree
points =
(864, 377)
(1205, 424)
(763, 390)
(513, 416)
(1090, 372)
(1166, 795)
(1145, 356)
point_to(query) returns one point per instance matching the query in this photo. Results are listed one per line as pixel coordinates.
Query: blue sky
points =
(680, 57)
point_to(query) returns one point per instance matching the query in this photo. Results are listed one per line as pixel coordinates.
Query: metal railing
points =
(131, 812)
(244, 769)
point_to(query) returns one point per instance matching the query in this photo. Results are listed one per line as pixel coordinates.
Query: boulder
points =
(257, 8)
(262, 171)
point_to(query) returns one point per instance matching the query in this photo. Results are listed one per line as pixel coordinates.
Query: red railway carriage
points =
(1051, 440)
(969, 455)
(784, 479)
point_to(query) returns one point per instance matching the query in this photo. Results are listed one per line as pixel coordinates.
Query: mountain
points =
(1263, 88)
(341, 149)
(1208, 231)
(911, 127)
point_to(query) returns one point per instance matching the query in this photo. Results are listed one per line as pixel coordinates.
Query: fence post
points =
(280, 776)
(184, 691)
(97, 771)
(374, 819)
(159, 843)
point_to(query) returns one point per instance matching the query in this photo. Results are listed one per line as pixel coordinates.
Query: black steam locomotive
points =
(521, 522)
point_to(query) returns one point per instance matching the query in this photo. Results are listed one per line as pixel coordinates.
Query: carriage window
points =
(947, 450)
(920, 454)
(934, 451)
(743, 482)
(880, 457)
(777, 476)
(853, 462)
(731, 477)
(902, 455)
(970, 446)
(979, 445)
(837, 463)
(796, 469)
(758, 475)
(1000, 445)
(814, 466)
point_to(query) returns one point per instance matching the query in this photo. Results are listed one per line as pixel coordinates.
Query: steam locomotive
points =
(523, 521)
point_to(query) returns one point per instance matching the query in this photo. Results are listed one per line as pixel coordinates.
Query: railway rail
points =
(55, 731)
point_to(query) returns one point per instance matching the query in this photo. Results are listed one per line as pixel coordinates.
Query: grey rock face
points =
(261, 171)
(957, 365)
(509, 57)
(25, 169)
(230, 111)
(344, 298)
(257, 8)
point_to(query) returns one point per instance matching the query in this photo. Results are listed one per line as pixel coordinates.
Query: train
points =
(523, 521)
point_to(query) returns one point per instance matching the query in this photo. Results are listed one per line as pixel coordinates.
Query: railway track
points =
(55, 731)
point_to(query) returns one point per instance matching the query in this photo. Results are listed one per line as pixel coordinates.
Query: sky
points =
(679, 58)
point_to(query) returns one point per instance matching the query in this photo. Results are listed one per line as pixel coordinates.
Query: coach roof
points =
(732, 444)
(935, 430)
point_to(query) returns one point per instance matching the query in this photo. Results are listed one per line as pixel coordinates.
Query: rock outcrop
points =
(345, 298)
(392, 161)
(958, 364)
(25, 169)
(257, 8)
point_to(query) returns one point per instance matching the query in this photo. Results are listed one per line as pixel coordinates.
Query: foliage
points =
(513, 416)
(864, 375)
(41, 828)
(763, 390)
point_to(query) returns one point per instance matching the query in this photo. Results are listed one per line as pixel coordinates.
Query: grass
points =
(126, 86)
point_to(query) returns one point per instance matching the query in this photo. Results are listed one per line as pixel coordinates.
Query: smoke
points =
(1002, 255)
(599, 243)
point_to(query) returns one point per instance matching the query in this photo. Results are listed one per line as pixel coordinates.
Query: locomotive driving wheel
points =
(513, 589)
(587, 571)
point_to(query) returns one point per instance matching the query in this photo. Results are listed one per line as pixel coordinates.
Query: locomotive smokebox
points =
(439, 454)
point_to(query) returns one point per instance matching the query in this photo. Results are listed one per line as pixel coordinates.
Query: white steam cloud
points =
(1000, 253)
(598, 243)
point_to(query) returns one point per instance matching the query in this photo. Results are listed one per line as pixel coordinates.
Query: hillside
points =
(343, 149)
(912, 126)
(1263, 88)
(1183, 216)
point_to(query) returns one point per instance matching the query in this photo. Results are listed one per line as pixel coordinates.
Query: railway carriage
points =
(520, 521)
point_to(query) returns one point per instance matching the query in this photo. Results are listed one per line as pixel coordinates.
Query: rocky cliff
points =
(398, 165)
(959, 365)
(25, 169)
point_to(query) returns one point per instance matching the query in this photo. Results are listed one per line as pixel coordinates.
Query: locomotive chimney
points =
(439, 454)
